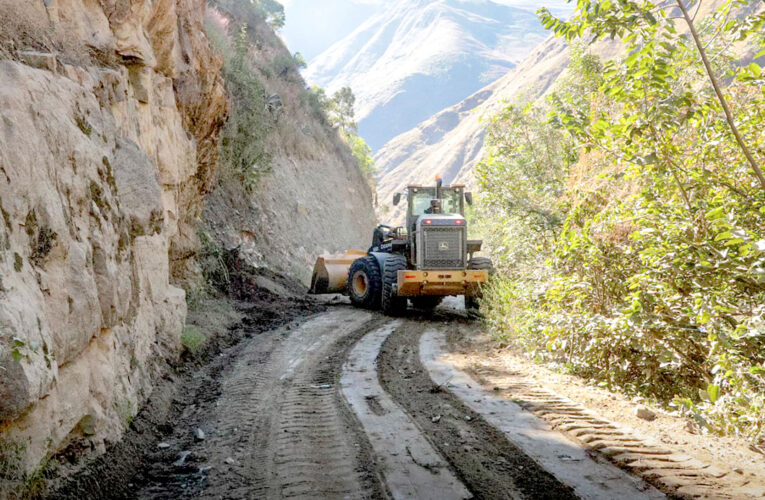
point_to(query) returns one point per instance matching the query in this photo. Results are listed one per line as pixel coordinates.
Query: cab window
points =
(450, 201)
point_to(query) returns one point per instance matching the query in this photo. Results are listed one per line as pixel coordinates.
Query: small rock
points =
(199, 434)
(468, 418)
(230, 461)
(182, 456)
(163, 445)
(738, 471)
(645, 413)
(436, 419)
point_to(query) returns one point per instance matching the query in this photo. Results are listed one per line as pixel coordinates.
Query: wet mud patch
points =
(482, 458)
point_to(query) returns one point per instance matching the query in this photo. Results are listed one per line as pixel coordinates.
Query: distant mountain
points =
(417, 57)
(451, 142)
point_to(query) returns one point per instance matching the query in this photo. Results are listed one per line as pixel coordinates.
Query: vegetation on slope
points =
(340, 114)
(632, 243)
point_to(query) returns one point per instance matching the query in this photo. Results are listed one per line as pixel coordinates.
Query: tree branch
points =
(723, 102)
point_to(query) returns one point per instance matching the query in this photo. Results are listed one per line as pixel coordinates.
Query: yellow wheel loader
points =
(422, 262)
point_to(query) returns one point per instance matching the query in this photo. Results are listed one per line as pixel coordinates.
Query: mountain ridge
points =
(462, 46)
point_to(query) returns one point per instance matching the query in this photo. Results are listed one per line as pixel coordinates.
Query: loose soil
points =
(482, 458)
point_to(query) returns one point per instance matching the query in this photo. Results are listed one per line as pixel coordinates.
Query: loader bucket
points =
(330, 273)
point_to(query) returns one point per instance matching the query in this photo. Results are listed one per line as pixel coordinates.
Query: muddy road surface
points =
(346, 403)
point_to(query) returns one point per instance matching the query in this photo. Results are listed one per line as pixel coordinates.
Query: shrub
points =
(243, 142)
(193, 339)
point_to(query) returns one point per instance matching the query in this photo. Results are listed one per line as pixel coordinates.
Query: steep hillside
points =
(418, 57)
(312, 27)
(451, 142)
(311, 197)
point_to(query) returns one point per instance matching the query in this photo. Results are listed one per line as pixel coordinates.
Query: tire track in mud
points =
(299, 443)
(280, 428)
(481, 457)
(409, 464)
(563, 457)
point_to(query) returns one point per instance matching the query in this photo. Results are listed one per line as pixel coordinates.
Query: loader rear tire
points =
(392, 304)
(365, 283)
(480, 264)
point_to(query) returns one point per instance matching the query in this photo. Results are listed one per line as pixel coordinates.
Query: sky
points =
(314, 25)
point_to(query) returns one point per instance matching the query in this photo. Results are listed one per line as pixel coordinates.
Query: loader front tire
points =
(365, 283)
(392, 304)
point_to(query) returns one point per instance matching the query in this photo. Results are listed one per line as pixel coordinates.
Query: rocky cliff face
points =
(110, 113)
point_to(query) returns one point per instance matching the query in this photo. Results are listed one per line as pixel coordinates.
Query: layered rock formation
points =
(110, 114)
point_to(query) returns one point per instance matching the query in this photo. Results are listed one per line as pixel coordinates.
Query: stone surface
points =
(107, 157)
(39, 60)
(99, 156)
(644, 413)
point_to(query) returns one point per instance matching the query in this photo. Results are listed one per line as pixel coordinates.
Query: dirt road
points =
(351, 404)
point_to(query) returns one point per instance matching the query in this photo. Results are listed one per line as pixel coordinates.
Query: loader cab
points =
(453, 199)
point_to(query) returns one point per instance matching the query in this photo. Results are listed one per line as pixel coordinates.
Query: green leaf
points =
(724, 236)
(755, 69)
(715, 213)
(713, 390)
(16, 355)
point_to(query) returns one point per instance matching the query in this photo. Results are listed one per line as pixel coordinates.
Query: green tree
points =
(363, 154)
(299, 60)
(342, 110)
(642, 25)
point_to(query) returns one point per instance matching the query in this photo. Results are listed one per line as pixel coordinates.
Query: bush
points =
(193, 339)
(243, 142)
(639, 262)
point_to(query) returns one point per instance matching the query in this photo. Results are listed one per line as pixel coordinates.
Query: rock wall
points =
(110, 113)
